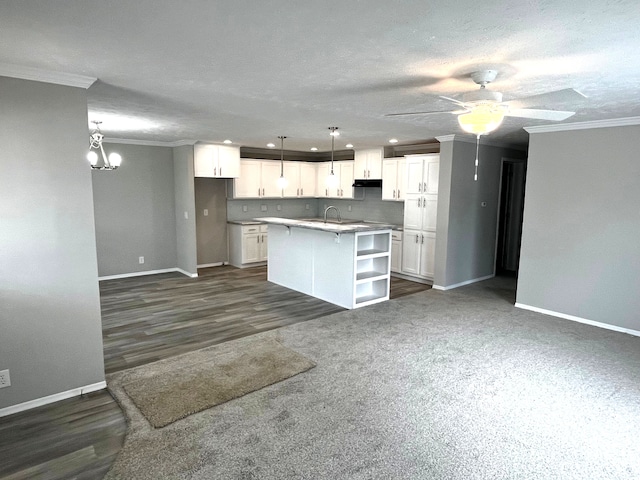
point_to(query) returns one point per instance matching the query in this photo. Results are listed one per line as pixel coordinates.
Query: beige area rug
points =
(176, 388)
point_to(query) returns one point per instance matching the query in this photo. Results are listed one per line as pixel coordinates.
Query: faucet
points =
(337, 211)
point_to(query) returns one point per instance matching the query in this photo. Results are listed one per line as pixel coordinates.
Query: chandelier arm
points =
(104, 157)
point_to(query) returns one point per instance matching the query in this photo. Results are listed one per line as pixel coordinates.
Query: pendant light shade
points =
(282, 182)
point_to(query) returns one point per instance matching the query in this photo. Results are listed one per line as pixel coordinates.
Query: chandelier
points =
(95, 143)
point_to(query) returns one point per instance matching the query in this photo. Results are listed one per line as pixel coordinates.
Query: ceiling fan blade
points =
(424, 113)
(556, 115)
(550, 98)
(391, 84)
(457, 102)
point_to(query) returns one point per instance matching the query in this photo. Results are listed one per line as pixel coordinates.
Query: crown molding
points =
(483, 141)
(563, 127)
(46, 76)
(149, 143)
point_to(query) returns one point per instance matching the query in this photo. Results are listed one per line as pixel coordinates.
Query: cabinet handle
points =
(263, 192)
(326, 192)
(214, 171)
(368, 173)
(341, 192)
(424, 187)
(297, 192)
(394, 194)
(301, 191)
(417, 238)
(419, 204)
(422, 238)
(364, 173)
(420, 187)
(398, 194)
(220, 171)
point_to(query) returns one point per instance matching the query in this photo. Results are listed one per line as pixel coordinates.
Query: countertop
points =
(330, 226)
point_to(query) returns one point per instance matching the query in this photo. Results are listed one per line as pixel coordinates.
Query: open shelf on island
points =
(371, 267)
(372, 291)
(377, 243)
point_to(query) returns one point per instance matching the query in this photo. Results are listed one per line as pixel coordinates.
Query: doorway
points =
(510, 216)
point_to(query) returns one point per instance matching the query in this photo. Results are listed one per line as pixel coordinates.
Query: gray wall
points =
(211, 229)
(466, 231)
(185, 209)
(135, 211)
(50, 328)
(580, 248)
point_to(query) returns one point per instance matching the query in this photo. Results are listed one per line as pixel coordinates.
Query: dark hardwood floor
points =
(146, 319)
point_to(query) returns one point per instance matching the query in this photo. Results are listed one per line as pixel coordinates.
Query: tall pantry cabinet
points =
(420, 212)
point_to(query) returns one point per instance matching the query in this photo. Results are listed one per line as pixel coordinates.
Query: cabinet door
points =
(360, 163)
(264, 252)
(413, 211)
(396, 255)
(374, 163)
(322, 171)
(429, 212)
(389, 179)
(292, 174)
(431, 174)
(205, 158)
(401, 184)
(427, 254)
(411, 246)
(270, 175)
(346, 180)
(413, 175)
(251, 248)
(228, 162)
(307, 179)
(248, 184)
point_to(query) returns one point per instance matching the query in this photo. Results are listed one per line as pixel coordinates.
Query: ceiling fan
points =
(482, 111)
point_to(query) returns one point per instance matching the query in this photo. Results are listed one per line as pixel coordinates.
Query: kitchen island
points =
(347, 264)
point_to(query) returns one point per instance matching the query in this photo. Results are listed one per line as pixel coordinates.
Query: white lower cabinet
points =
(418, 253)
(396, 251)
(248, 245)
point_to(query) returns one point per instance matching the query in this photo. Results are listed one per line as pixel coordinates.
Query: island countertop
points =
(330, 226)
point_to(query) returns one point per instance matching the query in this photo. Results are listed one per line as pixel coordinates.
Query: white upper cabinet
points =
(393, 179)
(301, 179)
(344, 174)
(258, 179)
(368, 163)
(421, 173)
(216, 161)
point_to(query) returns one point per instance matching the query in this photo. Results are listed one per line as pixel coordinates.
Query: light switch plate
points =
(206, 212)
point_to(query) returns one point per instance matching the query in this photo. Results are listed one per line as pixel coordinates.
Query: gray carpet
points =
(169, 391)
(436, 385)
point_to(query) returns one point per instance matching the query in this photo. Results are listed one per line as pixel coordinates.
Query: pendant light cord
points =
(282, 155)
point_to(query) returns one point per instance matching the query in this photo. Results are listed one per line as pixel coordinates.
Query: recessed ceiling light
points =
(271, 145)
(227, 142)
(314, 149)
(393, 140)
(349, 145)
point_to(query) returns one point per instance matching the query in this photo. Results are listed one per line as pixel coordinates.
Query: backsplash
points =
(368, 206)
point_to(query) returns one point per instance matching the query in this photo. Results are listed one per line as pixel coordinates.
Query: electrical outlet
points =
(307, 207)
(263, 208)
(245, 208)
(206, 212)
(278, 207)
(5, 380)
(141, 260)
(186, 215)
(349, 208)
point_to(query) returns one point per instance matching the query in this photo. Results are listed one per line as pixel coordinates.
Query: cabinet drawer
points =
(396, 235)
(250, 229)
(264, 228)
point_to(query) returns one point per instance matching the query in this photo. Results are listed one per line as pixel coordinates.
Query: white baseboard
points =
(412, 278)
(184, 272)
(217, 264)
(573, 318)
(56, 397)
(462, 284)
(147, 272)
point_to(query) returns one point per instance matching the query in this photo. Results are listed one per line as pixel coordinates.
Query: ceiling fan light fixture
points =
(481, 120)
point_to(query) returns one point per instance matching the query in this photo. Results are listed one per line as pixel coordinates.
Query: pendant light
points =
(282, 182)
(332, 179)
(95, 143)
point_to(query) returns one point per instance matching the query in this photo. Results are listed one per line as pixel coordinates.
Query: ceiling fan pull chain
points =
(475, 175)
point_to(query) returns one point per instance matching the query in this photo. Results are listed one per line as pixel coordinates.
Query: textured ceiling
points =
(250, 71)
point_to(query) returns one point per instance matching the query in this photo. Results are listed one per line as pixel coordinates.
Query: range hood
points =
(367, 183)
